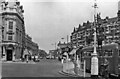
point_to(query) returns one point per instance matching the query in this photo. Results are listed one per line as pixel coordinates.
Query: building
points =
(13, 31)
(108, 36)
(53, 53)
(64, 49)
(80, 35)
(108, 30)
(31, 47)
(15, 42)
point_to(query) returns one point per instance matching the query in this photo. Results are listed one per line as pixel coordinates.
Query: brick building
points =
(108, 29)
(81, 34)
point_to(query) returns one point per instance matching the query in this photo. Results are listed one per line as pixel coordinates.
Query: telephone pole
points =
(94, 59)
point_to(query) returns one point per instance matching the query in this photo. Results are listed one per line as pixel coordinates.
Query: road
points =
(45, 68)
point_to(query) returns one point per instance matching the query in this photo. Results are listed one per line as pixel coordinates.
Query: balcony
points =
(109, 37)
(81, 40)
(10, 32)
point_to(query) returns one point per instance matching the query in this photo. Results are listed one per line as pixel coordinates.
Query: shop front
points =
(9, 52)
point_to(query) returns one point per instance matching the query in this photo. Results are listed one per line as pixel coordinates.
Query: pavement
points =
(71, 73)
(68, 69)
(19, 62)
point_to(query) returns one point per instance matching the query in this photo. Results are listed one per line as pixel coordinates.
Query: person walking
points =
(27, 58)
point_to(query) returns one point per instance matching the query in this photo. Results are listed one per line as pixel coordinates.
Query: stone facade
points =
(13, 31)
(14, 38)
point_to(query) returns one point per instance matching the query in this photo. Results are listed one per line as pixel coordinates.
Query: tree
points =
(42, 53)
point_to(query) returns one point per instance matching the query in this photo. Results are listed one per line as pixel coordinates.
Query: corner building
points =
(13, 30)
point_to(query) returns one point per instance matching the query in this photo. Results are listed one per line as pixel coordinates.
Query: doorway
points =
(9, 55)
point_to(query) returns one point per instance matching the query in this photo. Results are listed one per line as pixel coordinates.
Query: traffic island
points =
(70, 69)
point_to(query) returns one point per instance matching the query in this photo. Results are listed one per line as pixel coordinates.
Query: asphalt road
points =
(45, 68)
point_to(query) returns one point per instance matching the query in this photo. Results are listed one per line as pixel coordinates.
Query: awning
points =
(73, 51)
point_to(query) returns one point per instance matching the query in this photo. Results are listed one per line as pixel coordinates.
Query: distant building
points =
(64, 47)
(53, 53)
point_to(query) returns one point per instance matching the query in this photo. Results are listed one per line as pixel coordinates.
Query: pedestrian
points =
(62, 60)
(33, 58)
(36, 57)
(27, 59)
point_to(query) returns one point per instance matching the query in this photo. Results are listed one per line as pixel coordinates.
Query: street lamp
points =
(94, 59)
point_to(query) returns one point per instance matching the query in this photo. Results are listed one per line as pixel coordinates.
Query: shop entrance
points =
(9, 55)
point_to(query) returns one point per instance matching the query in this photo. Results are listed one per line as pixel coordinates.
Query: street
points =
(44, 68)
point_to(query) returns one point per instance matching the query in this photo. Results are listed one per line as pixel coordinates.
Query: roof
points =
(108, 20)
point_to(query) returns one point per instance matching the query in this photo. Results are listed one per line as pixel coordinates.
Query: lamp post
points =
(94, 59)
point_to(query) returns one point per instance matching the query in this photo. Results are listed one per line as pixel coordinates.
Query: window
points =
(10, 25)
(9, 37)
(119, 53)
(108, 53)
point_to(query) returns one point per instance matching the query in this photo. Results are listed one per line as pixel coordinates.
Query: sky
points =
(47, 21)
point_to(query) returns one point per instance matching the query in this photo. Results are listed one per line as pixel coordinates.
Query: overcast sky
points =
(47, 21)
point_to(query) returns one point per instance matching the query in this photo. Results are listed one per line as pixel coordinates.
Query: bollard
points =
(76, 68)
